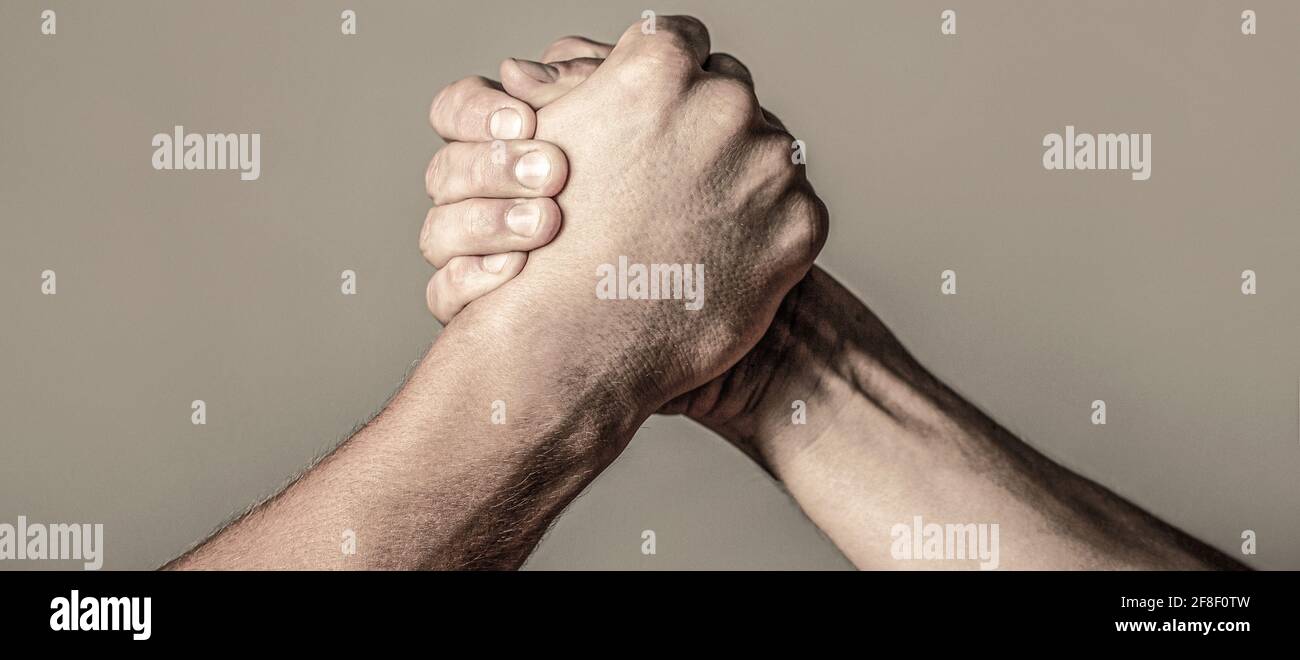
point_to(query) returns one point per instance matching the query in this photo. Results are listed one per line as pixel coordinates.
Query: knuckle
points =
(478, 173)
(821, 223)
(458, 270)
(444, 302)
(774, 121)
(633, 31)
(803, 210)
(449, 97)
(469, 122)
(669, 42)
(672, 49)
(449, 172)
(477, 221)
(732, 101)
(808, 223)
(459, 89)
(772, 158)
(427, 240)
(435, 255)
(671, 68)
(432, 173)
(431, 295)
(668, 54)
(729, 63)
(435, 108)
(687, 28)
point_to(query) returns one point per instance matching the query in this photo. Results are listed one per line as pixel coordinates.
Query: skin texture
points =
(692, 173)
(884, 440)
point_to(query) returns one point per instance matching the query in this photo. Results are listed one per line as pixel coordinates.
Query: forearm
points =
(885, 442)
(433, 482)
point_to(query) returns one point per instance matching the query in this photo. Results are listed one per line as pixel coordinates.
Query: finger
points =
(539, 84)
(573, 47)
(476, 109)
(727, 65)
(661, 36)
(466, 279)
(477, 227)
(497, 169)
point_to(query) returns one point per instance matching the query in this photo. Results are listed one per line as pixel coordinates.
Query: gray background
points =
(176, 286)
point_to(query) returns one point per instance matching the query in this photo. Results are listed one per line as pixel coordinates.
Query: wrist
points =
(541, 377)
(798, 377)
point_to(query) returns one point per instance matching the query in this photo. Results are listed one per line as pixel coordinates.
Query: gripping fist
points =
(672, 162)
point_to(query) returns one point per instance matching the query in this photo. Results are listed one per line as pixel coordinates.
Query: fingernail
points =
(506, 124)
(523, 218)
(533, 169)
(542, 73)
(495, 262)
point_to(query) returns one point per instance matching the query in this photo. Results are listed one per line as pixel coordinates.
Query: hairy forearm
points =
(885, 442)
(465, 468)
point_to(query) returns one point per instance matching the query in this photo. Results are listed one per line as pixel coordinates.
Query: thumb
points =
(540, 84)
